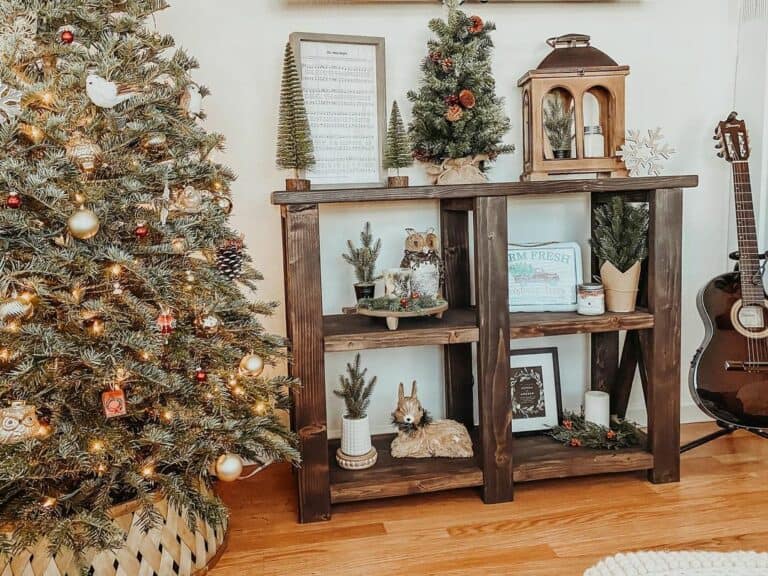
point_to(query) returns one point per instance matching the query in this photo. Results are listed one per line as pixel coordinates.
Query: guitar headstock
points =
(732, 139)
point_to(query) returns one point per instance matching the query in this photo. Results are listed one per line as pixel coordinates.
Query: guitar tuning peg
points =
(718, 146)
(715, 137)
(720, 155)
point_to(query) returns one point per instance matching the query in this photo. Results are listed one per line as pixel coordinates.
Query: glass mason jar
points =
(594, 142)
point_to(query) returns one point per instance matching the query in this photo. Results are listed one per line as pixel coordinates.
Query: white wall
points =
(681, 53)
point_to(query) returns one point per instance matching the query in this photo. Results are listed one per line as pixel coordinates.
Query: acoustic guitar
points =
(729, 375)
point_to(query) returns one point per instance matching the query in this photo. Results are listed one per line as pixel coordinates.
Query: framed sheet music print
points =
(344, 84)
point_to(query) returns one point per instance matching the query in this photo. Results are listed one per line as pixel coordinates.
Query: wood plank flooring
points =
(554, 528)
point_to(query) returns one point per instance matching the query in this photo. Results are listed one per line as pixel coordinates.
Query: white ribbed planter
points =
(355, 436)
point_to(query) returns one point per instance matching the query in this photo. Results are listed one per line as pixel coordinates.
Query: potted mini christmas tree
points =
(458, 121)
(558, 123)
(356, 451)
(620, 242)
(363, 260)
(295, 150)
(398, 151)
(132, 364)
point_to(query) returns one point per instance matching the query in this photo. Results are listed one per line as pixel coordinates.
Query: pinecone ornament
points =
(454, 113)
(230, 258)
(447, 64)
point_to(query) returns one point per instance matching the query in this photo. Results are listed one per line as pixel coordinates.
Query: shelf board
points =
(487, 189)
(535, 324)
(345, 332)
(400, 476)
(541, 458)
(535, 458)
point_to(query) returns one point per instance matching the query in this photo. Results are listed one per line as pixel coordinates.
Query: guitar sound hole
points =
(752, 318)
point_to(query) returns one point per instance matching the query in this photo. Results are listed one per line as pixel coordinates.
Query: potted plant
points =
(356, 451)
(558, 122)
(398, 150)
(363, 259)
(620, 242)
(295, 150)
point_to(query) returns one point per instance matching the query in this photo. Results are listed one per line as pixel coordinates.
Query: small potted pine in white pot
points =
(620, 242)
(363, 260)
(356, 451)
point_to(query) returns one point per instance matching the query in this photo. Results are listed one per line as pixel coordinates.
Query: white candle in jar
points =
(597, 408)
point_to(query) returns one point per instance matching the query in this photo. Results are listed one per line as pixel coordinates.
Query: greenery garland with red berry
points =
(416, 303)
(576, 432)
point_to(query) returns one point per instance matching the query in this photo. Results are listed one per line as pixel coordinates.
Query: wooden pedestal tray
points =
(393, 318)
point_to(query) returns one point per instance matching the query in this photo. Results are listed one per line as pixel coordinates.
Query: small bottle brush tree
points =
(398, 150)
(363, 260)
(354, 390)
(356, 429)
(558, 123)
(295, 150)
(456, 113)
(620, 242)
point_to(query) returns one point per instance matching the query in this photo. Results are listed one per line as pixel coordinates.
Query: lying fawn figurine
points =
(418, 436)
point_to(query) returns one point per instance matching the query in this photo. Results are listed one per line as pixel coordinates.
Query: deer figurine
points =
(418, 436)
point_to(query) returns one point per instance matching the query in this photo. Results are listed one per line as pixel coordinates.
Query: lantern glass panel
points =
(559, 121)
(596, 107)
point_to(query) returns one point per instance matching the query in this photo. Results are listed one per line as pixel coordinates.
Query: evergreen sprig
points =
(354, 390)
(398, 150)
(558, 122)
(577, 432)
(458, 59)
(295, 149)
(387, 303)
(363, 259)
(620, 235)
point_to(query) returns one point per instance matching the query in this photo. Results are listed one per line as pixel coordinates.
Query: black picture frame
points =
(524, 371)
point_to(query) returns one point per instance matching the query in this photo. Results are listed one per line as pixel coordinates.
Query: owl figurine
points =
(18, 423)
(422, 256)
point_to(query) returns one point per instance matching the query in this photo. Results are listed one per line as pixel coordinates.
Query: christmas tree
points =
(398, 150)
(295, 150)
(135, 360)
(456, 112)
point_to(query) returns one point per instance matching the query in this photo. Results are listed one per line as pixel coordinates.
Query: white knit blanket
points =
(683, 564)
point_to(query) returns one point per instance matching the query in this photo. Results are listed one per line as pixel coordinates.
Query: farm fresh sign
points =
(543, 278)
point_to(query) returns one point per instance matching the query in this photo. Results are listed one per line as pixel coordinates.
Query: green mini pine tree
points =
(621, 233)
(115, 327)
(363, 259)
(398, 150)
(354, 391)
(558, 122)
(456, 112)
(295, 150)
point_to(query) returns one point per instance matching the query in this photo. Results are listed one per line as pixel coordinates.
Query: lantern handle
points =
(570, 39)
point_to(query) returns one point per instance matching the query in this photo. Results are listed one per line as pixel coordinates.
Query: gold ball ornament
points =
(251, 365)
(225, 203)
(84, 153)
(207, 324)
(83, 224)
(228, 467)
(189, 200)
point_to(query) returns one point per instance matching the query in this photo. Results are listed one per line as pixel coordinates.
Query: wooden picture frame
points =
(534, 382)
(326, 96)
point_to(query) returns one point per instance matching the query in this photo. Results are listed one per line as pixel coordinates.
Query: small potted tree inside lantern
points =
(620, 242)
(295, 150)
(558, 122)
(398, 151)
(363, 259)
(356, 451)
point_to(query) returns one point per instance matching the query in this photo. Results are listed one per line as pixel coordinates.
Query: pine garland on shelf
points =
(576, 432)
(412, 304)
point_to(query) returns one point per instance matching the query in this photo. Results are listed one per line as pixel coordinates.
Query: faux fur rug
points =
(683, 564)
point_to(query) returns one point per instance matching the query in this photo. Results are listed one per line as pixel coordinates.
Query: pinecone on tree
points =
(230, 258)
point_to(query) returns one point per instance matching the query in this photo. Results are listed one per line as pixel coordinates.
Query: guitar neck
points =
(752, 290)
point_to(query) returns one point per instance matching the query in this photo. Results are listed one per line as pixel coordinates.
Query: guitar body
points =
(738, 397)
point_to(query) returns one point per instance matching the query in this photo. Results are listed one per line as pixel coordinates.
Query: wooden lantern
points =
(590, 87)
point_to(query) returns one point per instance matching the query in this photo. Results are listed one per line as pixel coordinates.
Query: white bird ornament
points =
(106, 94)
(192, 101)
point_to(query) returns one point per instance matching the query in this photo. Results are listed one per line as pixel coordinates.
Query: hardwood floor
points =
(554, 528)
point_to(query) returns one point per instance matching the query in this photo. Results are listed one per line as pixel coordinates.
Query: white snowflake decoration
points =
(644, 155)
(10, 103)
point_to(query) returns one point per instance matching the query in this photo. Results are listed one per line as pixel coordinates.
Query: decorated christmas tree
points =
(456, 113)
(295, 150)
(398, 150)
(131, 364)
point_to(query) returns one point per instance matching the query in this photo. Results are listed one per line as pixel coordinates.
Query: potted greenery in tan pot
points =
(363, 260)
(356, 451)
(620, 242)
(558, 123)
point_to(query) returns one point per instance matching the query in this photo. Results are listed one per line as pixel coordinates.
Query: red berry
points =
(415, 296)
(201, 376)
(67, 36)
(404, 302)
(14, 200)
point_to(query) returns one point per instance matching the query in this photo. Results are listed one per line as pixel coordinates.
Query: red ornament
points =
(166, 322)
(13, 200)
(67, 36)
(142, 230)
(404, 302)
(113, 402)
(575, 442)
(200, 375)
